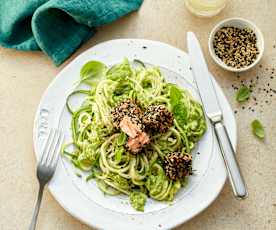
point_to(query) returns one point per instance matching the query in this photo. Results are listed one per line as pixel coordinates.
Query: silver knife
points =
(213, 112)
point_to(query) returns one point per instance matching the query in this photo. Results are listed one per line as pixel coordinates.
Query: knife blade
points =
(214, 113)
(203, 81)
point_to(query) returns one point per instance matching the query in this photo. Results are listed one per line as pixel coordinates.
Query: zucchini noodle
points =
(99, 148)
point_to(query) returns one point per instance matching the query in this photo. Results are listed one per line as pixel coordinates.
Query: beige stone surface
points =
(25, 75)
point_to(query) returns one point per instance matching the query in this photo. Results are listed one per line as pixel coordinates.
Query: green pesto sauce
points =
(138, 200)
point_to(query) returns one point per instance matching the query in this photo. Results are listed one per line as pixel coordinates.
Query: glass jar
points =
(205, 8)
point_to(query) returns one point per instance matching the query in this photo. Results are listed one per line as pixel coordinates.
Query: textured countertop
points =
(25, 75)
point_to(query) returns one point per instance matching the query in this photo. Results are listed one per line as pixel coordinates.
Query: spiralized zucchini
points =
(100, 149)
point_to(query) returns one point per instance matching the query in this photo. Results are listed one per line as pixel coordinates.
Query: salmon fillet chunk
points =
(129, 127)
(137, 138)
(136, 144)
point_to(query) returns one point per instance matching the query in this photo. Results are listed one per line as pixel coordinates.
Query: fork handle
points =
(37, 207)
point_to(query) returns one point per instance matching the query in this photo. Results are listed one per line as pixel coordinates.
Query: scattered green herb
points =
(121, 139)
(243, 94)
(139, 62)
(93, 173)
(79, 175)
(91, 176)
(258, 129)
(184, 181)
(118, 153)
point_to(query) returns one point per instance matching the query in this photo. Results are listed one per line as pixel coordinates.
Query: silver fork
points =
(46, 167)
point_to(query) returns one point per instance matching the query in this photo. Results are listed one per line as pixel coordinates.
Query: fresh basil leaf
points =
(243, 94)
(92, 70)
(258, 129)
(121, 139)
(178, 106)
(180, 114)
(175, 95)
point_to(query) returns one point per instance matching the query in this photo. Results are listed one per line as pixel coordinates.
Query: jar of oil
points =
(205, 8)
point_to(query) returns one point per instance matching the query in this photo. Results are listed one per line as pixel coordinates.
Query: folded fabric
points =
(57, 27)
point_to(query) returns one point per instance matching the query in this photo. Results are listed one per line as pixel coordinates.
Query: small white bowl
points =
(239, 23)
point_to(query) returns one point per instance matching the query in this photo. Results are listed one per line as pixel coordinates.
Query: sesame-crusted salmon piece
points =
(130, 128)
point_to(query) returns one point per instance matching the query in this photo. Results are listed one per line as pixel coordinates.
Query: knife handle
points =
(228, 154)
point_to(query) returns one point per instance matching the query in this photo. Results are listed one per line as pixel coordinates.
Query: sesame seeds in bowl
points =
(236, 44)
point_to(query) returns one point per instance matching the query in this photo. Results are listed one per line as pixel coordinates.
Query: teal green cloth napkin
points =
(57, 27)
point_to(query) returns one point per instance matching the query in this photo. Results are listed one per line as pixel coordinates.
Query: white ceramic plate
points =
(84, 200)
